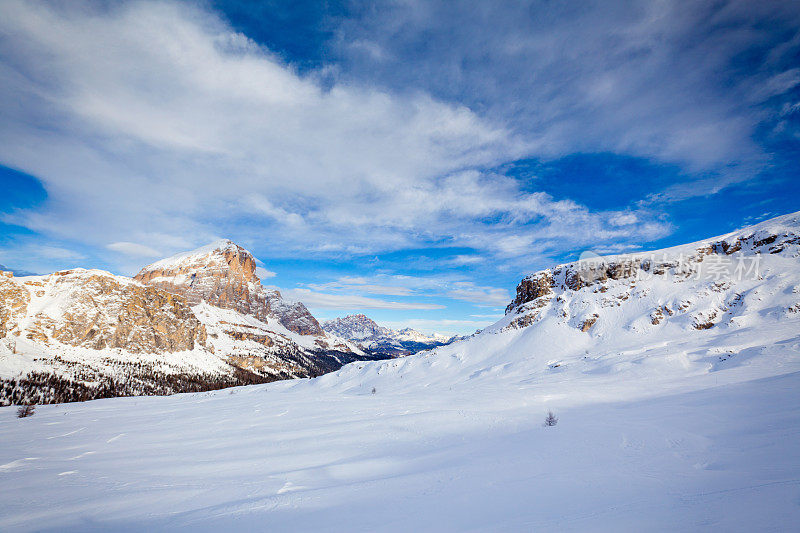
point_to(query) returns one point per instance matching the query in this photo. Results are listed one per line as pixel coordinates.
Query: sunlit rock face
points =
(223, 274)
(97, 310)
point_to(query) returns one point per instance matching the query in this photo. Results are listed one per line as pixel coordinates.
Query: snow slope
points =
(665, 422)
(310, 457)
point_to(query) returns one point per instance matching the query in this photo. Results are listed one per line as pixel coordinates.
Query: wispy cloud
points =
(263, 273)
(431, 286)
(675, 81)
(349, 301)
(133, 249)
(489, 296)
(157, 118)
(42, 258)
(362, 284)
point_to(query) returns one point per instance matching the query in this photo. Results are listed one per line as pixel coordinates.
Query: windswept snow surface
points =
(451, 440)
(688, 420)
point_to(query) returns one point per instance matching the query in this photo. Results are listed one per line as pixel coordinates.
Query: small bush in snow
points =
(551, 419)
(26, 411)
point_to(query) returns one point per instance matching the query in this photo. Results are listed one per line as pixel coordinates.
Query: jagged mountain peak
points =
(355, 327)
(222, 254)
(369, 334)
(223, 274)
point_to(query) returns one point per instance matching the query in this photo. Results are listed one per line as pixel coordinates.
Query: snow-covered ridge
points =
(726, 258)
(188, 257)
(682, 325)
(409, 334)
(730, 259)
(203, 313)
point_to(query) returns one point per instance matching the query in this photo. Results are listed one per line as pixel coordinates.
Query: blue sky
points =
(409, 160)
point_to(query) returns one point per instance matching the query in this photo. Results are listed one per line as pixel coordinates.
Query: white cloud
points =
(623, 219)
(349, 301)
(664, 80)
(262, 205)
(456, 288)
(470, 292)
(133, 249)
(466, 259)
(55, 252)
(155, 118)
(263, 273)
(362, 284)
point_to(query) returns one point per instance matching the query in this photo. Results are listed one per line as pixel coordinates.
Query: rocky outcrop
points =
(697, 286)
(587, 324)
(14, 299)
(531, 288)
(223, 274)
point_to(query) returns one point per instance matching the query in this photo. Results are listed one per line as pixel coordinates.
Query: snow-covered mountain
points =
(223, 274)
(674, 376)
(195, 321)
(728, 305)
(356, 327)
(373, 338)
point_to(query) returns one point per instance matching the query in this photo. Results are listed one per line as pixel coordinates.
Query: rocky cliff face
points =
(82, 334)
(223, 274)
(531, 288)
(293, 315)
(97, 310)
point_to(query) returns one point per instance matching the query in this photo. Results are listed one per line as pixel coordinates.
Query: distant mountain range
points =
(371, 337)
(16, 272)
